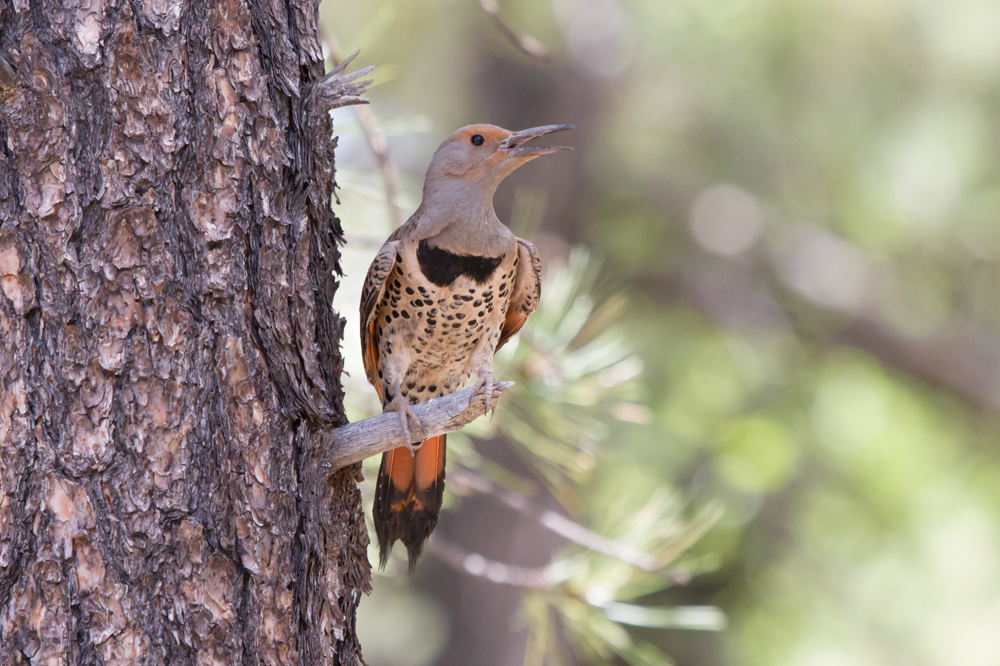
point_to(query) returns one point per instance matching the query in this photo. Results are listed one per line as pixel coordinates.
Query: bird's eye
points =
(477, 139)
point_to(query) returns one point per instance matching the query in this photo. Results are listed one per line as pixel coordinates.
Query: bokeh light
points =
(780, 231)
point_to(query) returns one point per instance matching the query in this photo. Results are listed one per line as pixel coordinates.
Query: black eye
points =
(477, 139)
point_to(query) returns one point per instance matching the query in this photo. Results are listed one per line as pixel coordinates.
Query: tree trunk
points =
(169, 358)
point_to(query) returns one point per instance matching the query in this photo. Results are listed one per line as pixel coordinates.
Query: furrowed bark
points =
(168, 352)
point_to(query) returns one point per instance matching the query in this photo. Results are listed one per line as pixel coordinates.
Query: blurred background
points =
(756, 414)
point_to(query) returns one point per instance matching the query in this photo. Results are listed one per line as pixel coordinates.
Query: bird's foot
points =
(485, 385)
(402, 406)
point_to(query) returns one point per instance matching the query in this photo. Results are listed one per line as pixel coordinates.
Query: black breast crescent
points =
(443, 267)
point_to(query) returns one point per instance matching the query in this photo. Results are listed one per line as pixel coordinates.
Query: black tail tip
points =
(413, 555)
(414, 538)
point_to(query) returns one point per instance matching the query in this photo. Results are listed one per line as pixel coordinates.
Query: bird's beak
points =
(513, 146)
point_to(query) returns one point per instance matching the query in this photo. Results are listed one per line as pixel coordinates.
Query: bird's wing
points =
(371, 294)
(525, 292)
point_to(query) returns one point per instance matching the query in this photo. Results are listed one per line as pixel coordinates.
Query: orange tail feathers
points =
(408, 498)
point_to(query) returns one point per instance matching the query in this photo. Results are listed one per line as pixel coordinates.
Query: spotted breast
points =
(446, 290)
(440, 316)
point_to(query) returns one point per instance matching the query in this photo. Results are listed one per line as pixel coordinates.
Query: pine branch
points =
(356, 441)
(524, 43)
(376, 143)
(555, 522)
(474, 564)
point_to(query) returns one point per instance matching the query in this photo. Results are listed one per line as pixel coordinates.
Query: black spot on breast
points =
(409, 290)
(442, 267)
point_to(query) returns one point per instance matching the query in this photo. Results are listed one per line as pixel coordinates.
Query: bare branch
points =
(338, 89)
(525, 43)
(962, 357)
(356, 441)
(561, 525)
(380, 151)
(474, 564)
(376, 141)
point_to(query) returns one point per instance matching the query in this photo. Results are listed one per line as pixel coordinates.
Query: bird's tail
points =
(408, 497)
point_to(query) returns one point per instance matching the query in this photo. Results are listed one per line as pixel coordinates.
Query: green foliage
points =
(800, 200)
(589, 603)
(573, 371)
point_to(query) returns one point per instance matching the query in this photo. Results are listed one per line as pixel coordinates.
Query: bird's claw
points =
(485, 384)
(402, 407)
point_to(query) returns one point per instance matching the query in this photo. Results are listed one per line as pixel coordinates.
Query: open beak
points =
(514, 146)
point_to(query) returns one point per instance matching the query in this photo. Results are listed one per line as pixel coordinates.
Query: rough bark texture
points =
(168, 354)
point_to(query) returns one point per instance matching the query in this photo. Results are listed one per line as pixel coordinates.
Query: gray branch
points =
(501, 573)
(356, 441)
(561, 525)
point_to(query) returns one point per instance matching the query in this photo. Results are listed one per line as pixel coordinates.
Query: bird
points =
(448, 288)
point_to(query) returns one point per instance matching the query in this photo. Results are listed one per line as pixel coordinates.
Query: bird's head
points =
(485, 154)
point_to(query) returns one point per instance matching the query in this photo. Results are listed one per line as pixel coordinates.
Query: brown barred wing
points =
(526, 291)
(371, 293)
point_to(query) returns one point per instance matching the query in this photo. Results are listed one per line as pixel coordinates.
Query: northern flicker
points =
(448, 288)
